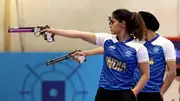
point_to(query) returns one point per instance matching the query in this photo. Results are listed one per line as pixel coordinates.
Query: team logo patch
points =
(156, 49)
(112, 47)
(128, 53)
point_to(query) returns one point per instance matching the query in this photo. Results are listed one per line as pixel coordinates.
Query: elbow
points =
(172, 73)
(83, 37)
(100, 52)
(146, 76)
(80, 35)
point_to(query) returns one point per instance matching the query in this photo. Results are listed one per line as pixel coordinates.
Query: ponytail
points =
(136, 26)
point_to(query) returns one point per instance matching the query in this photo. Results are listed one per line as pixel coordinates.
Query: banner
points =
(25, 77)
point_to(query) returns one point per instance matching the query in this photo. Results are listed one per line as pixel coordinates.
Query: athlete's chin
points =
(113, 33)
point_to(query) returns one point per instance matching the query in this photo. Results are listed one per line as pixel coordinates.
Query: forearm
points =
(86, 36)
(168, 81)
(142, 82)
(95, 51)
(67, 33)
(171, 73)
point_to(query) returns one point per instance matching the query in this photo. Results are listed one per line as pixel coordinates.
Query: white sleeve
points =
(101, 38)
(169, 51)
(142, 54)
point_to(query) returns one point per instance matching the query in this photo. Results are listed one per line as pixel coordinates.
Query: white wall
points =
(87, 15)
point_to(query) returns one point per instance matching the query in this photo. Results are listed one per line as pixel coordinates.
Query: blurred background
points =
(24, 75)
(85, 15)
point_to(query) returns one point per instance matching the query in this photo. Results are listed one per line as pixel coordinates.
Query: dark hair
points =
(150, 20)
(134, 23)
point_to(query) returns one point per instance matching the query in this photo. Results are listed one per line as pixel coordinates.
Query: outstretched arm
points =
(95, 51)
(86, 36)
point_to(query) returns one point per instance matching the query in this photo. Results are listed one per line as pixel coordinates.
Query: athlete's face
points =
(115, 26)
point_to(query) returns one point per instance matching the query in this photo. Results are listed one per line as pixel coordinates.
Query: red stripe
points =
(173, 38)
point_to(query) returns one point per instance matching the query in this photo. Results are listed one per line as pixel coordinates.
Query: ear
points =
(123, 23)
